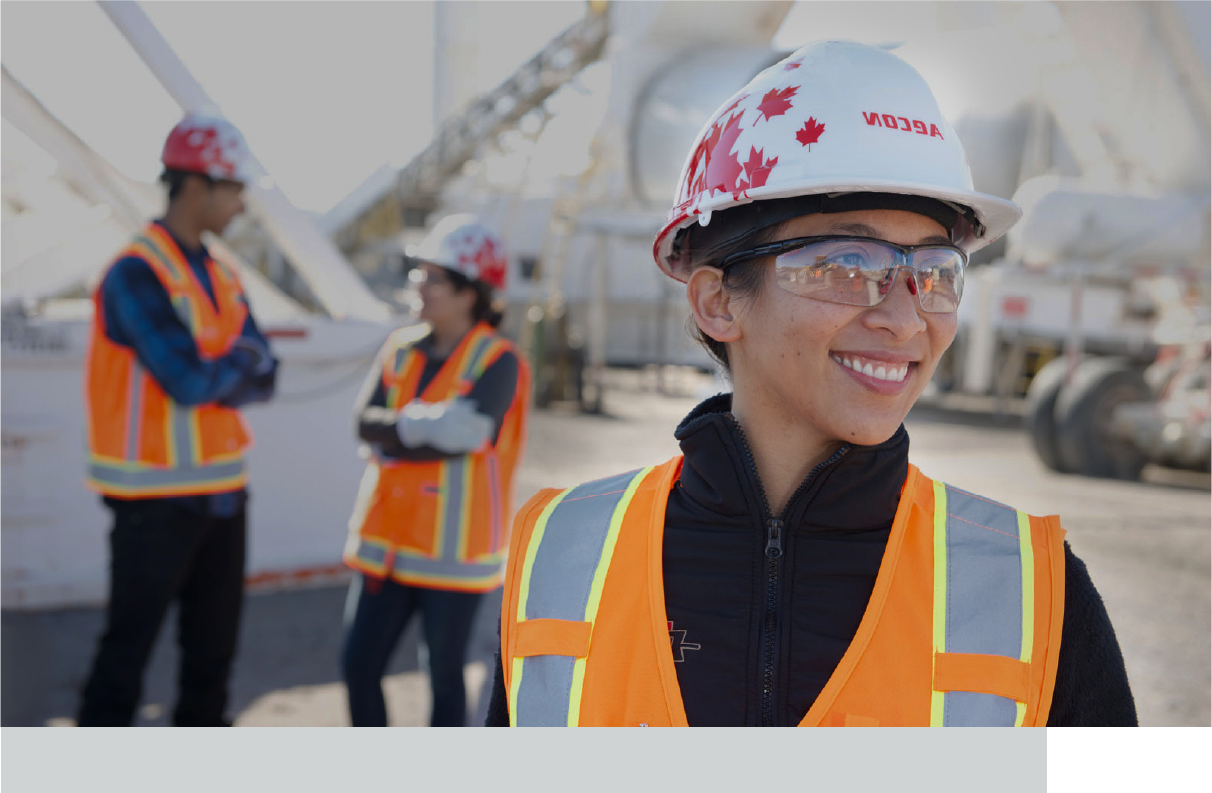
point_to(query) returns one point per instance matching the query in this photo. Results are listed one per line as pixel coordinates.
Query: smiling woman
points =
(821, 578)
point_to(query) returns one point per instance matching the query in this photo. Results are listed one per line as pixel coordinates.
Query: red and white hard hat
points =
(464, 244)
(832, 118)
(208, 145)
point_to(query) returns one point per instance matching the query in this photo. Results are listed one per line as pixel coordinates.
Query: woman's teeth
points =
(892, 373)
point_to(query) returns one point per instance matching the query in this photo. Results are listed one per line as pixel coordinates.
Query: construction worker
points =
(444, 417)
(173, 353)
(792, 566)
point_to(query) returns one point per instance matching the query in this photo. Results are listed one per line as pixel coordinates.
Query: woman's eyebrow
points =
(863, 230)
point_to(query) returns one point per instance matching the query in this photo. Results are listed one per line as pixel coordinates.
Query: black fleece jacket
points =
(837, 525)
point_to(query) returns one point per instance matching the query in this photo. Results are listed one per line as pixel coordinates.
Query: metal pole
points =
(596, 321)
(340, 290)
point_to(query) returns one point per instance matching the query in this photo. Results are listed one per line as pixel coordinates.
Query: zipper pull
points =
(774, 538)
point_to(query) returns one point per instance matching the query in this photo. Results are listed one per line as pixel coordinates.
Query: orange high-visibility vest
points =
(142, 444)
(441, 524)
(962, 629)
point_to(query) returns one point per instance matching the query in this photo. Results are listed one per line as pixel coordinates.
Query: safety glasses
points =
(860, 271)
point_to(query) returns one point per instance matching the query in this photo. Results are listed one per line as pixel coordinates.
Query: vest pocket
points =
(849, 720)
(551, 637)
(984, 674)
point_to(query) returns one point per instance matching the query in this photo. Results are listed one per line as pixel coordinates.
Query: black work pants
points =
(376, 613)
(162, 552)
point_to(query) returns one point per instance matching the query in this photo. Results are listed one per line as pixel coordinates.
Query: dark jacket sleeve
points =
(1091, 681)
(498, 703)
(492, 394)
(139, 314)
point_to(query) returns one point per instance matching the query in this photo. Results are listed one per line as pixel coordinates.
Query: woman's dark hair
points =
(743, 279)
(175, 180)
(487, 308)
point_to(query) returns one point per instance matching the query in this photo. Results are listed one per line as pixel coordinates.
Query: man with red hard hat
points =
(173, 354)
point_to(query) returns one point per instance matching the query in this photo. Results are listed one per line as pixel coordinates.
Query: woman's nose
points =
(898, 312)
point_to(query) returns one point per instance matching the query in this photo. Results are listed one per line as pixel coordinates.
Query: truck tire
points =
(1083, 415)
(1040, 419)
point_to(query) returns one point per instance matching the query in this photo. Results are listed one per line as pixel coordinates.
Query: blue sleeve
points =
(139, 314)
(257, 387)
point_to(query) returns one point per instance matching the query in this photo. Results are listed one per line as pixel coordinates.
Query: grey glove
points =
(452, 426)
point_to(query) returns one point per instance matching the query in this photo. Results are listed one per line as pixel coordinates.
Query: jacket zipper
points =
(774, 553)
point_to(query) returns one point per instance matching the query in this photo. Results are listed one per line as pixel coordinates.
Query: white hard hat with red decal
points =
(210, 145)
(834, 117)
(466, 245)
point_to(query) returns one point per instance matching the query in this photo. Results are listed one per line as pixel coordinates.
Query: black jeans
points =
(376, 613)
(161, 551)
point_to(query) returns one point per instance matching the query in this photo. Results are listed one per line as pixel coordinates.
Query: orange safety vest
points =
(962, 629)
(142, 444)
(441, 524)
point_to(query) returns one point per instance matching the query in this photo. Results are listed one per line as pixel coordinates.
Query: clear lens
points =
(838, 271)
(858, 273)
(939, 273)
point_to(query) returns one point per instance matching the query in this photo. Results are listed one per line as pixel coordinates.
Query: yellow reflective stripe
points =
(443, 496)
(515, 683)
(482, 360)
(1027, 554)
(195, 436)
(940, 595)
(170, 437)
(532, 548)
(464, 527)
(595, 590)
(151, 253)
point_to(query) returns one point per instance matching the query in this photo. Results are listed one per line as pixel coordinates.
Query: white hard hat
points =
(832, 118)
(466, 245)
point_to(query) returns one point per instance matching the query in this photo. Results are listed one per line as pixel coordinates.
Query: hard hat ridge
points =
(833, 118)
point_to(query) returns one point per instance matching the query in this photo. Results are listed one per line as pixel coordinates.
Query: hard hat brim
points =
(994, 215)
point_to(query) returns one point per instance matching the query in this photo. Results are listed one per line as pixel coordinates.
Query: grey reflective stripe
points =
(142, 479)
(560, 583)
(134, 410)
(984, 599)
(400, 353)
(369, 552)
(494, 498)
(452, 505)
(446, 569)
(568, 557)
(183, 439)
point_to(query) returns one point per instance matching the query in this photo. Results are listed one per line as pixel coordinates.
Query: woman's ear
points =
(715, 311)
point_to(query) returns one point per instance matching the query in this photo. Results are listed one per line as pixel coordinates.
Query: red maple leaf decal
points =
(732, 107)
(758, 168)
(793, 65)
(776, 102)
(723, 171)
(810, 133)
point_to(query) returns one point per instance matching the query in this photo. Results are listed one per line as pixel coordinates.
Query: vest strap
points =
(563, 573)
(983, 611)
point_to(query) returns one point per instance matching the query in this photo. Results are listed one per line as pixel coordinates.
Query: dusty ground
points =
(1146, 545)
